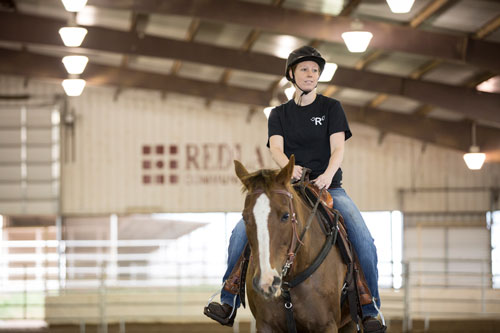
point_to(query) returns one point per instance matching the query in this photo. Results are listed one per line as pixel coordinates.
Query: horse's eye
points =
(285, 217)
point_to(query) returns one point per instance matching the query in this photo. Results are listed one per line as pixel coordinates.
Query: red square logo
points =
(146, 164)
(160, 179)
(173, 164)
(173, 179)
(173, 149)
(146, 179)
(159, 149)
(146, 150)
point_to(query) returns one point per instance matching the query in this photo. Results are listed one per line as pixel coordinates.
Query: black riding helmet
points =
(304, 53)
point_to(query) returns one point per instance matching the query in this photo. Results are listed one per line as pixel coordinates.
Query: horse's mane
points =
(261, 179)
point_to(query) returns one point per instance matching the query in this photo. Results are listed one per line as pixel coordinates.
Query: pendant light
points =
(72, 36)
(474, 159)
(357, 40)
(74, 5)
(73, 87)
(75, 64)
(400, 6)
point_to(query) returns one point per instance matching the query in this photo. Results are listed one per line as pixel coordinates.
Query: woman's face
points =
(307, 75)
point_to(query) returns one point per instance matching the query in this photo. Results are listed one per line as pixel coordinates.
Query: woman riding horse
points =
(313, 128)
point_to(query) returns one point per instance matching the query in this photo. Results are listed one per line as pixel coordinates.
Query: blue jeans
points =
(359, 235)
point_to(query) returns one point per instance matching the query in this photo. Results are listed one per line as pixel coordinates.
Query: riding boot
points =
(223, 314)
(373, 325)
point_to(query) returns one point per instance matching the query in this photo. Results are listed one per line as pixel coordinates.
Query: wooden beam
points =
(39, 30)
(488, 28)
(387, 36)
(379, 99)
(427, 12)
(425, 68)
(453, 135)
(368, 59)
(349, 7)
(40, 66)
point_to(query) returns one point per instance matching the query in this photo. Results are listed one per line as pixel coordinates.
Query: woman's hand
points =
(323, 181)
(297, 172)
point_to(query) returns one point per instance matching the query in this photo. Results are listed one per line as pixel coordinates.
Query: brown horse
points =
(273, 231)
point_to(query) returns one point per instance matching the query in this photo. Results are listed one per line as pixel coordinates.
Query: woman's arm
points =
(276, 145)
(337, 142)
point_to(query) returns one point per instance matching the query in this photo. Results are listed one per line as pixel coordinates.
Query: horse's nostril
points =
(272, 290)
(276, 281)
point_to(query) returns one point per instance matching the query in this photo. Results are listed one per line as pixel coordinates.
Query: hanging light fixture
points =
(400, 6)
(74, 5)
(274, 102)
(289, 92)
(75, 64)
(328, 72)
(73, 87)
(357, 40)
(72, 36)
(474, 159)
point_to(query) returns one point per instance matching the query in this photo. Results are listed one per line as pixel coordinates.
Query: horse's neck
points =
(314, 237)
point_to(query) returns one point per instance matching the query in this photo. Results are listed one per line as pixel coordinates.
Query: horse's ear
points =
(241, 172)
(286, 173)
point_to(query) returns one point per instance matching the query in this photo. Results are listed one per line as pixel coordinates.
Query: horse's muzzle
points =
(269, 289)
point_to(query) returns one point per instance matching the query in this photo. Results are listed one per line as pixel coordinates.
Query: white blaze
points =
(261, 212)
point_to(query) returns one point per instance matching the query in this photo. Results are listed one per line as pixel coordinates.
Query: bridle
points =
(296, 241)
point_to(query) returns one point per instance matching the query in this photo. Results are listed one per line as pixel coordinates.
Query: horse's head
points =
(269, 219)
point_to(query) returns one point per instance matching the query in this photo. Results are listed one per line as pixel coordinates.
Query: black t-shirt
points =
(306, 132)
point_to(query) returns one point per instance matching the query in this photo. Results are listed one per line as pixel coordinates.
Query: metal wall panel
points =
(105, 166)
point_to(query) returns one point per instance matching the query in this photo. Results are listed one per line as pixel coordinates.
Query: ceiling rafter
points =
(40, 66)
(447, 134)
(387, 36)
(137, 27)
(349, 7)
(32, 29)
(192, 30)
(430, 10)
(488, 28)
(453, 135)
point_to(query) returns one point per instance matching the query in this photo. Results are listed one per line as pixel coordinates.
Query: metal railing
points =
(132, 268)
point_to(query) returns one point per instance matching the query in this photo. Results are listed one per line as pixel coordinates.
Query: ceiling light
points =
(72, 36)
(400, 6)
(268, 110)
(75, 64)
(73, 87)
(289, 92)
(357, 41)
(474, 159)
(328, 72)
(74, 5)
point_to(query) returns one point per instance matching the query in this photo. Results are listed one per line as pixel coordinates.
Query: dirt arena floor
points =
(395, 326)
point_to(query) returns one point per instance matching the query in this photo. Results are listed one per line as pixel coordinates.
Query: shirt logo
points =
(318, 120)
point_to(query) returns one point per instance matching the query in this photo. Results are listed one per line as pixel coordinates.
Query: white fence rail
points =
(135, 281)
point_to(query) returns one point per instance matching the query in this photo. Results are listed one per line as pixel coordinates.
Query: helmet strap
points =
(304, 92)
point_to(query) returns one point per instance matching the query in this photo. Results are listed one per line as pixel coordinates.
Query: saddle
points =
(309, 193)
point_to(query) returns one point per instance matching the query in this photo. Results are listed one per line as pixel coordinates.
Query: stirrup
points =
(223, 321)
